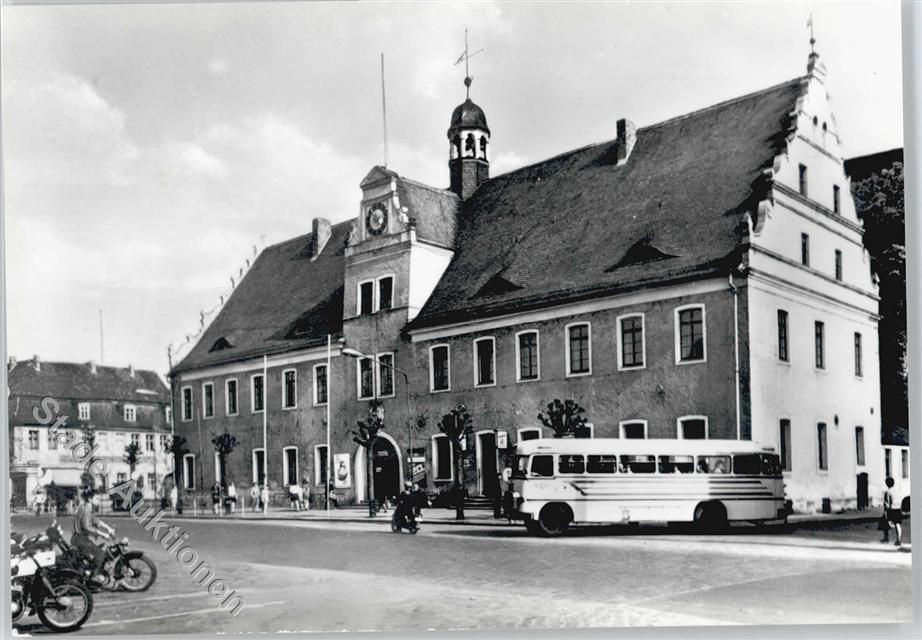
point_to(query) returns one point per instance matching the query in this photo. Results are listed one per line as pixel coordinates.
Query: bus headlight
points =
(516, 495)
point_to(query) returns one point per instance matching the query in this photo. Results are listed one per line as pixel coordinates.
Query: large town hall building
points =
(703, 277)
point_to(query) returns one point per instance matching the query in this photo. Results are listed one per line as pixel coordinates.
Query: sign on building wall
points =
(342, 477)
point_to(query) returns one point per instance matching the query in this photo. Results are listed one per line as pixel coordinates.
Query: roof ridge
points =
(84, 364)
(303, 236)
(417, 183)
(668, 121)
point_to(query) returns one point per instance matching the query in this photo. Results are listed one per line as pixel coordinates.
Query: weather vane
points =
(467, 71)
(812, 39)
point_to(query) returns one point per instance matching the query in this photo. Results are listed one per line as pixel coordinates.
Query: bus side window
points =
(542, 465)
(601, 464)
(571, 464)
(713, 464)
(676, 464)
(639, 464)
(702, 464)
(747, 464)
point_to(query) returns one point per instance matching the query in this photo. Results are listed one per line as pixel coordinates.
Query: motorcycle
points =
(57, 594)
(122, 569)
(404, 518)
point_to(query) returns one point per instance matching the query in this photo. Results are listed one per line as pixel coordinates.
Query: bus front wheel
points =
(554, 519)
(711, 517)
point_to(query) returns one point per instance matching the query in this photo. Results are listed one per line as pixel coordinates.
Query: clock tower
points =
(469, 144)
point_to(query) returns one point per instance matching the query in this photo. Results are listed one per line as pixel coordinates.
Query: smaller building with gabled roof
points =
(108, 407)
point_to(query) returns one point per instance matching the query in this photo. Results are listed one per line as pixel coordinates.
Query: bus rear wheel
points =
(711, 517)
(554, 520)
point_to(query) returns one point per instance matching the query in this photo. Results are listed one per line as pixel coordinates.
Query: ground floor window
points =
(633, 430)
(320, 464)
(904, 460)
(822, 459)
(785, 444)
(188, 471)
(290, 464)
(887, 464)
(259, 466)
(693, 428)
(529, 434)
(441, 458)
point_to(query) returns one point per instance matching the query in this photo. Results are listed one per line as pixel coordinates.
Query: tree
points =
(132, 457)
(224, 444)
(457, 424)
(366, 436)
(565, 419)
(880, 204)
(177, 447)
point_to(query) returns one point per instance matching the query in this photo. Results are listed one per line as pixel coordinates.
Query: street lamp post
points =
(353, 353)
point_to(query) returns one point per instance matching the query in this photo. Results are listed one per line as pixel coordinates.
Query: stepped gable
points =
(571, 227)
(287, 300)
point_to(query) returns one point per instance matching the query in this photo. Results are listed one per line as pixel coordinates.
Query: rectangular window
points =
(859, 446)
(102, 439)
(904, 463)
(320, 384)
(634, 430)
(693, 428)
(820, 347)
(441, 456)
(638, 464)
(527, 347)
(168, 414)
(152, 482)
(529, 434)
(676, 464)
(601, 463)
(542, 465)
(485, 362)
(259, 466)
(366, 373)
(84, 410)
(785, 444)
(822, 460)
(149, 442)
(805, 249)
(571, 464)
(33, 439)
(584, 431)
(208, 400)
(131, 413)
(320, 465)
(385, 374)
(836, 204)
(186, 403)
(802, 173)
(713, 464)
(258, 389)
(887, 464)
(230, 397)
(163, 442)
(838, 265)
(631, 342)
(578, 350)
(290, 389)
(691, 334)
(291, 465)
(121, 477)
(385, 293)
(858, 354)
(188, 471)
(366, 298)
(52, 440)
(136, 439)
(782, 335)
(439, 368)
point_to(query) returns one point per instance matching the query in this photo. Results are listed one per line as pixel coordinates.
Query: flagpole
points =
(265, 427)
(329, 402)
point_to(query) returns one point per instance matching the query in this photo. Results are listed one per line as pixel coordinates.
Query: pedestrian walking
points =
(232, 497)
(254, 496)
(294, 496)
(216, 498)
(893, 514)
(305, 495)
(264, 497)
(174, 498)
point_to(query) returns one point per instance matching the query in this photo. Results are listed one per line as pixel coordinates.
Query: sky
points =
(150, 150)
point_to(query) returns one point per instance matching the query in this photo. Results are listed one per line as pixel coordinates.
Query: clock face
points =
(376, 219)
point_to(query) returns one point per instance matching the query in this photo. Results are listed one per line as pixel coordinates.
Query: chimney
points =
(92, 366)
(322, 232)
(627, 136)
(36, 362)
(131, 370)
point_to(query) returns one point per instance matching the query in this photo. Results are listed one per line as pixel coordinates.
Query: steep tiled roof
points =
(434, 210)
(286, 301)
(578, 225)
(73, 381)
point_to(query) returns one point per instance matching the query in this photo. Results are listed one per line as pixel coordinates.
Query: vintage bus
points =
(559, 482)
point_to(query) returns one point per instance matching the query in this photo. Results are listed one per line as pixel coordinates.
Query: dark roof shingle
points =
(75, 381)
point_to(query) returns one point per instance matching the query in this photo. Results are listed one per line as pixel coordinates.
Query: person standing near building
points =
(264, 497)
(893, 514)
(305, 495)
(174, 498)
(216, 498)
(232, 497)
(254, 496)
(294, 496)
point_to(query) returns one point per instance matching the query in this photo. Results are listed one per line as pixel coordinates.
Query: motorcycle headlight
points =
(123, 541)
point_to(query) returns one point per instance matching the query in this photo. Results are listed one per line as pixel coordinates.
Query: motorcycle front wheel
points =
(66, 607)
(138, 573)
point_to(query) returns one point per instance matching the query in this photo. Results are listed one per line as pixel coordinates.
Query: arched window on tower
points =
(470, 146)
(483, 147)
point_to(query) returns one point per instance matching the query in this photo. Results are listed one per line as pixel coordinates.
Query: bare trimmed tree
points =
(563, 418)
(366, 436)
(457, 424)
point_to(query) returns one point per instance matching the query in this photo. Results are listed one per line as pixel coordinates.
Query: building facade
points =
(699, 278)
(112, 407)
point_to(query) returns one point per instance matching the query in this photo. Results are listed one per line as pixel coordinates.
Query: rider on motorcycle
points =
(87, 527)
(405, 508)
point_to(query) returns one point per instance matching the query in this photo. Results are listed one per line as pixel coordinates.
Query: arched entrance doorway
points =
(388, 469)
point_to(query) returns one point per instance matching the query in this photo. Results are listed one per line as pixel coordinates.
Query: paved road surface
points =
(319, 576)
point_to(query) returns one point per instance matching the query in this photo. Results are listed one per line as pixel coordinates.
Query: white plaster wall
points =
(427, 264)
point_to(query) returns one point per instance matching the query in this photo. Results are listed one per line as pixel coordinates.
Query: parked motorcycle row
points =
(54, 580)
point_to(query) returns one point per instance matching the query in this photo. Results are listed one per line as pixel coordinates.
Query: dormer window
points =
(84, 410)
(130, 413)
(220, 344)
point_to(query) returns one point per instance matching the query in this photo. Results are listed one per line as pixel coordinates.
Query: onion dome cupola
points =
(469, 141)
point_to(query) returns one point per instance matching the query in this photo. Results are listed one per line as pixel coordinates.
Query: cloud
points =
(217, 66)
